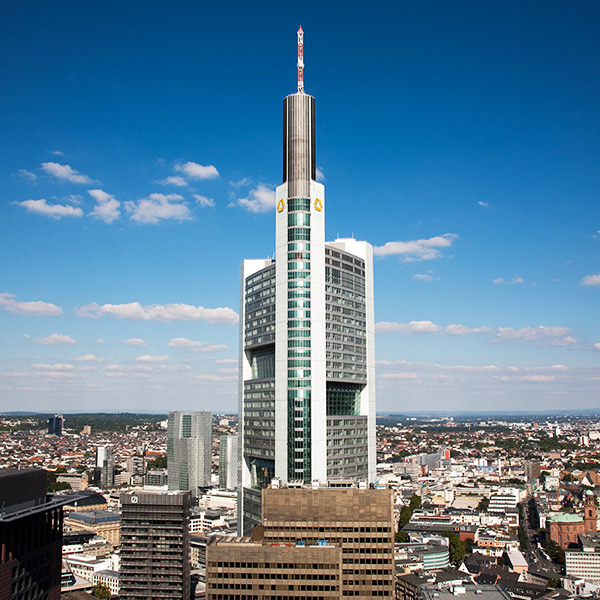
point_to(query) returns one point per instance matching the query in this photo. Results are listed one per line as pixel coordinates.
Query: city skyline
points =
(142, 150)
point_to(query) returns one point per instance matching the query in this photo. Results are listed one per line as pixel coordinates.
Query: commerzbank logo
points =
(280, 205)
(318, 205)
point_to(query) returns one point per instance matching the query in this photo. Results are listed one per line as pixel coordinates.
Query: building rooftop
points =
(566, 518)
(95, 517)
(464, 592)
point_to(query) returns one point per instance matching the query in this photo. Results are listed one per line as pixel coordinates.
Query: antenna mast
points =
(300, 60)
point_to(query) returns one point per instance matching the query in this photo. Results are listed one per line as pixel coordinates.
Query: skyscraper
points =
(189, 450)
(55, 425)
(307, 370)
(104, 473)
(155, 546)
(228, 462)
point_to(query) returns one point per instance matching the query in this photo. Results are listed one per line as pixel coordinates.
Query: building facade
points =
(307, 368)
(229, 462)
(30, 537)
(55, 425)
(155, 546)
(189, 450)
(104, 473)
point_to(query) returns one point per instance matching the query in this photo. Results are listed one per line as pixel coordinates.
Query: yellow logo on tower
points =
(280, 205)
(318, 205)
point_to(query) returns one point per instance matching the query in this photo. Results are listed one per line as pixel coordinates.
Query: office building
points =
(312, 542)
(307, 368)
(104, 473)
(155, 546)
(55, 425)
(30, 537)
(228, 462)
(189, 450)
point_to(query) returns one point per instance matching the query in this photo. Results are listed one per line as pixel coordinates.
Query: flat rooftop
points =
(464, 592)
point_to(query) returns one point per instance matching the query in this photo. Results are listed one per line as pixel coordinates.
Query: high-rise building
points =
(228, 462)
(307, 363)
(104, 473)
(30, 536)
(155, 546)
(189, 450)
(55, 425)
(329, 542)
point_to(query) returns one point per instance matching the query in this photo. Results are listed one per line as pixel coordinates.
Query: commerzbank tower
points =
(307, 349)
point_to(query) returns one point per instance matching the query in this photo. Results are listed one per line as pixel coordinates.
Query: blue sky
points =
(141, 144)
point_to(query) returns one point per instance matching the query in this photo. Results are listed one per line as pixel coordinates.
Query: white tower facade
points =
(307, 363)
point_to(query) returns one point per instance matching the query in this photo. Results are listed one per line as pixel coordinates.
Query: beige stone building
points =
(101, 522)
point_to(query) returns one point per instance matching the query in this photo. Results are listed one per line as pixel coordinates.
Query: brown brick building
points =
(565, 528)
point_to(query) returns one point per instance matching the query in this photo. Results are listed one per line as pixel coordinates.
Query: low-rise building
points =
(101, 522)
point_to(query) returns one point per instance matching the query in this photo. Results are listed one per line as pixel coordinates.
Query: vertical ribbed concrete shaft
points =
(299, 165)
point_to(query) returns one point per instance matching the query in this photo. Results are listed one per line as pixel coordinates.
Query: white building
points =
(229, 462)
(307, 361)
(189, 450)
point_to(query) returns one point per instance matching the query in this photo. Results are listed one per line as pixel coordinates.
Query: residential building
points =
(189, 451)
(228, 462)
(155, 546)
(307, 362)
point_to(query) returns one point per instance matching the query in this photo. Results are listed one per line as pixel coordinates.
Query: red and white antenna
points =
(300, 60)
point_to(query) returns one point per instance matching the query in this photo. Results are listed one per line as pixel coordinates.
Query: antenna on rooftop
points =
(300, 60)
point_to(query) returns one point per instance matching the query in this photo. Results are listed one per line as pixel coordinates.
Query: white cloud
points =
(57, 152)
(56, 211)
(195, 171)
(65, 173)
(37, 308)
(591, 280)
(416, 250)
(456, 329)
(399, 376)
(424, 277)
(158, 206)
(245, 182)
(72, 199)
(128, 371)
(134, 342)
(512, 281)
(597, 347)
(320, 174)
(159, 312)
(89, 358)
(55, 339)
(146, 358)
(550, 336)
(176, 180)
(260, 199)
(196, 346)
(107, 208)
(27, 175)
(99, 341)
(531, 378)
(411, 328)
(215, 378)
(226, 361)
(54, 367)
(203, 201)
(482, 203)
(561, 368)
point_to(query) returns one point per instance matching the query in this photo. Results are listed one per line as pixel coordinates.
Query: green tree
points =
(101, 591)
(405, 515)
(457, 548)
(483, 503)
(523, 540)
(415, 502)
(401, 537)
(555, 583)
(160, 462)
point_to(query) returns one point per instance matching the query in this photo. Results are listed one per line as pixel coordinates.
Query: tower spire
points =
(300, 60)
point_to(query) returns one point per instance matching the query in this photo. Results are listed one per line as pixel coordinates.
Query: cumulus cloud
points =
(245, 182)
(158, 206)
(400, 376)
(147, 358)
(159, 312)
(107, 208)
(27, 175)
(65, 173)
(217, 378)
(203, 201)
(410, 328)
(544, 335)
(456, 329)
(500, 280)
(176, 180)
(597, 347)
(196, 346)
(128, 371)
(320, 174)
(99, 341)
(531, 378)
(226, 361)
(259, 200)
(54, 367)
(57, 152)
(55, 339)
(482, 203)
(417, 250)
(591, 280)
(134, 342)
(195, 171)
(36, 308)
(56, 211)
(89, 358)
